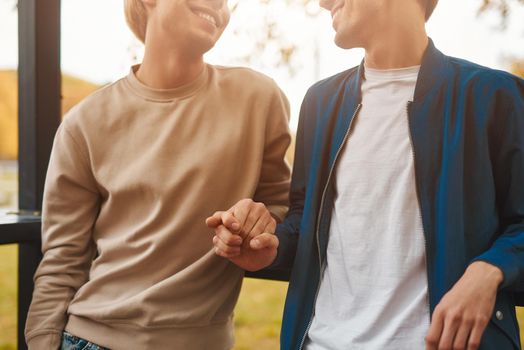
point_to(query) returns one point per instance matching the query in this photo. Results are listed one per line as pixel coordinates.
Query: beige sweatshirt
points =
(128, 261)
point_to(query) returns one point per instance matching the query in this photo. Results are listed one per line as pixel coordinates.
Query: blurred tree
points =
(272, 43)
(517, 68)
(272, 46)
(73, 90)
(503, 7)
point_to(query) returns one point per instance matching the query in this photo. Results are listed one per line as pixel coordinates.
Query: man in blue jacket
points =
(406, 224)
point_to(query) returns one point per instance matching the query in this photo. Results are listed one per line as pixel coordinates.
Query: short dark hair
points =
(430, 6)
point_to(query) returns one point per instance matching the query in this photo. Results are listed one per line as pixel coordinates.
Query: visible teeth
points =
(207, 17)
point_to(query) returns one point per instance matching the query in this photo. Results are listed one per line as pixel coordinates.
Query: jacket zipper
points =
(408, 107)
(344, 140)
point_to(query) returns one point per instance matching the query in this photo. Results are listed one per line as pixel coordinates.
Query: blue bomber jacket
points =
(467, 129)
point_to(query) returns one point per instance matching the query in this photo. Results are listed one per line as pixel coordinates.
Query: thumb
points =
(264, 241)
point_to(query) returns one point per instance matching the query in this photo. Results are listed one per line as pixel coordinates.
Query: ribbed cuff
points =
(47, 341)
(278, 211)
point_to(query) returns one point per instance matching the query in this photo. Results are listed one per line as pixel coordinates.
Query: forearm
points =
(507, 150)
(287, 247)
(70, 207)
(63, 270)
(507, 255)
(273, 185)
(56, 283)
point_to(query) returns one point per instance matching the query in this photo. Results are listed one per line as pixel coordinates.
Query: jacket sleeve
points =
(507, 251)
(273, 185)
(70, 207)
(288, 231)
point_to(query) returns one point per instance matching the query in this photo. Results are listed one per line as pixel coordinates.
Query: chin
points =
(348, 38)
(201, 46)
(344, 43)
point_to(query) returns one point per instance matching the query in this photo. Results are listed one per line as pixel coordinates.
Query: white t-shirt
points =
(373, 293)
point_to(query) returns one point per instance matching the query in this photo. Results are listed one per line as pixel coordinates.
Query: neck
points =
(401, 47)
(163, 69)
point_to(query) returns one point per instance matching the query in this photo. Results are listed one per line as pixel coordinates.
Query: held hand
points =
(250, 254)
(246, 218)
(244, 235)
(461, 317)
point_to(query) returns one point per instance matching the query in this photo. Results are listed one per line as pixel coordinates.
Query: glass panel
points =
(8, 105)
(8, 167)
(93, 54)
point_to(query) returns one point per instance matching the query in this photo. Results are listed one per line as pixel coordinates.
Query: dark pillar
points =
(39, 113)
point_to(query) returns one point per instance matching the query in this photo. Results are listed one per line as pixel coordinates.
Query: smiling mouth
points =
(207, 15)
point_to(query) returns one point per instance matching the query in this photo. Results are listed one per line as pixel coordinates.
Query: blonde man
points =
(135, 170)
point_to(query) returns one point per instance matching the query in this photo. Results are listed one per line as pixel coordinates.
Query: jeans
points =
(70, 342)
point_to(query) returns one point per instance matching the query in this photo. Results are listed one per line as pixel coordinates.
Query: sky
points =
(97, 45)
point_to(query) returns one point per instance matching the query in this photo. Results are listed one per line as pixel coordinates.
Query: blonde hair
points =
(136, 17)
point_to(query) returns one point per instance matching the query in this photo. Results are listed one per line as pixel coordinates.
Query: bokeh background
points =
(289, 40)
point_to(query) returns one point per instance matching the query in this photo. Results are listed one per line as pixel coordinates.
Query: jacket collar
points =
(433, 72)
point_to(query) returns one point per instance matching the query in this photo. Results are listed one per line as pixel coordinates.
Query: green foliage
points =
(274, 47)
(503, 7)
(517, 68)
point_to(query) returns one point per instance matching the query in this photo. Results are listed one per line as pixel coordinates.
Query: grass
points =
(520, 318)
(258, 314)
(8, 290)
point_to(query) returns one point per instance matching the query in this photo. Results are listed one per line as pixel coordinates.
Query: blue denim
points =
(70, 342)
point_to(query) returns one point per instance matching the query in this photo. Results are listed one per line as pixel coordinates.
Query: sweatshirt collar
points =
(165, 95)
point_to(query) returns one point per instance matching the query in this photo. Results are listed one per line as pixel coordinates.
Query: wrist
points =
(491, 273)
